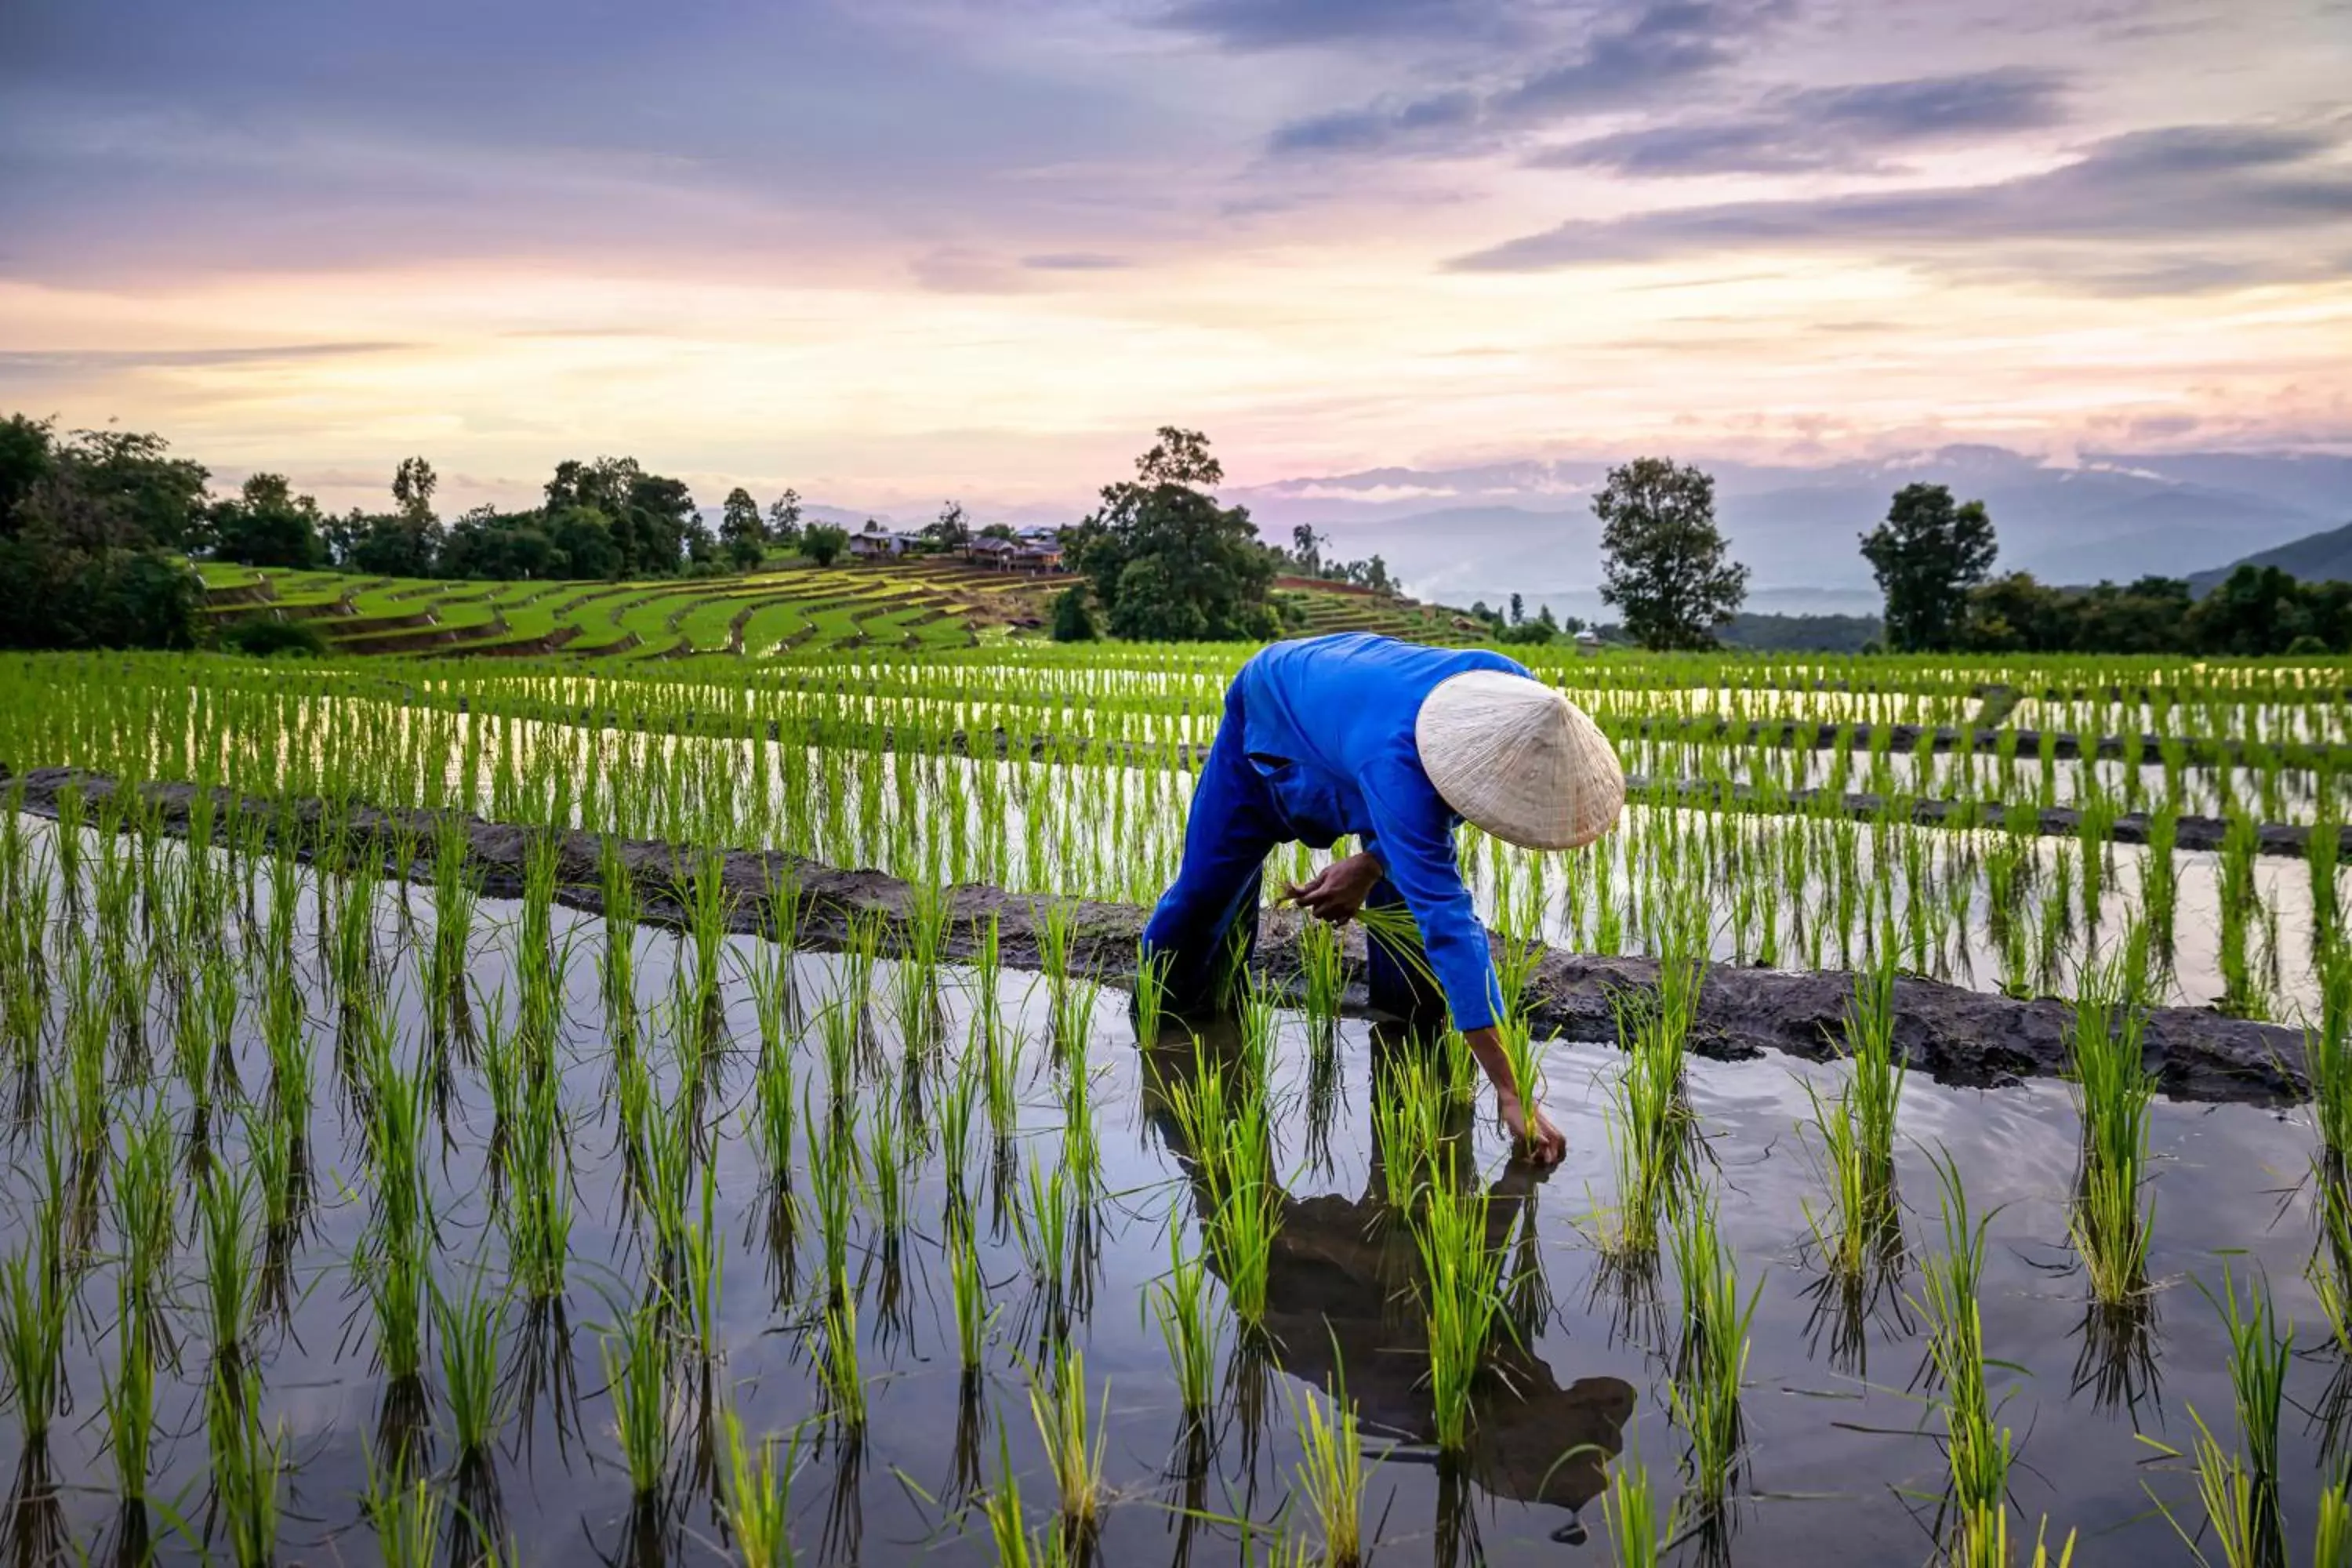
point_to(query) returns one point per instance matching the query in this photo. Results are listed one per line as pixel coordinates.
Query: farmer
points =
(1394, 744)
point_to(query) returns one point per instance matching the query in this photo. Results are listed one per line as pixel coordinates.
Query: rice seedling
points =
(1057, 1400)
(1976, 1446)
(839, 1369)
(2327, 1055)
(1704, 1390)
(833, 1178)
(467, 1332)
(1179, 1303)
(702, 1259)
(1008, 1525)
(249, 1464)
(2113, 1093)
(969, 1286)
(128, 1400)
(1081, 1141)
(537, 1213)
(636, 1377)
(1224, 1124)
(756, 1493)
(224, 1210)
(885, 1154)
(405, 1510)
(36, 1303)
(1330, 1474)
(1322, 975)
(1524, 1056)
(1637, 1537)
(1150, 992)
(958, 1110)
(1461, 1300)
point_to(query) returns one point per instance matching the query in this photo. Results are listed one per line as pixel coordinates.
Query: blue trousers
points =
(1205, 928)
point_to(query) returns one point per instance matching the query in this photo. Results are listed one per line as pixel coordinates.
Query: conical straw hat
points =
(1519, 760)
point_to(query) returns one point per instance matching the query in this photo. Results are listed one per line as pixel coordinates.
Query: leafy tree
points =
(27, 457)
(57, 597)
(137, 495)
(583, 538)
(1666, 565)
(391, 544)
(952, 530)
(265, 636)
(1002, 531)
(2256, 610)
(741, 531)
(1518, 609)
(1307, 549)
(1167, 563)
(413, 484)
(1073, 620)
(487, 542)
(1927, 556)
(784, 520)
(267, 525)
(823, 543)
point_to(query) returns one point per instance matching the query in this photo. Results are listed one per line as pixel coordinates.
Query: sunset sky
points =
(893, 250)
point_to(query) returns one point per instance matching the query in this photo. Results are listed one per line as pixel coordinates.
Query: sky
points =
(892, 251)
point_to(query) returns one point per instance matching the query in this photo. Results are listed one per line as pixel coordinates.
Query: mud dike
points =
(1955, 1034)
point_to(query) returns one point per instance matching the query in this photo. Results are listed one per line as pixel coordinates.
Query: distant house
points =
(1588, 641)
(882, 544)
(1032, 549)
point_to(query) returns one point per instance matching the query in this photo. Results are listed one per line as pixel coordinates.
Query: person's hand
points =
(1336, 892)
(1533, 1137)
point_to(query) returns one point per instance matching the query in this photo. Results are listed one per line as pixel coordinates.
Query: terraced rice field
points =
(690, 1105)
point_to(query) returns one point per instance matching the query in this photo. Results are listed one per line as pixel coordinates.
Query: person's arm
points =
(1417, 852)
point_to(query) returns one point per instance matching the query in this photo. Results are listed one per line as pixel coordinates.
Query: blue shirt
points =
(1328, 725)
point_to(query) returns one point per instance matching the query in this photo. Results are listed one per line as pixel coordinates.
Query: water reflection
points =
(1342, 1305)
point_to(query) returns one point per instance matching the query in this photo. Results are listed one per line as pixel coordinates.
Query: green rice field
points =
(682, 1090)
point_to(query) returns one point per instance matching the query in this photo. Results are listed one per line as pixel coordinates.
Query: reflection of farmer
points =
(1394, 744)
(1340, 1299)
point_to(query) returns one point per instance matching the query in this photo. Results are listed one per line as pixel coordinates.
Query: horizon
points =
(892, 254)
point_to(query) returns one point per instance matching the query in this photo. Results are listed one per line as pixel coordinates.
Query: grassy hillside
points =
(797, 609)
(758, 615)
(2314, 558)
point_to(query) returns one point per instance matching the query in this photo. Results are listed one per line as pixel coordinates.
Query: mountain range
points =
(1482, 532)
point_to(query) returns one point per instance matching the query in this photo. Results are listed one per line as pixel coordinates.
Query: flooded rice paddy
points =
(648, 1181)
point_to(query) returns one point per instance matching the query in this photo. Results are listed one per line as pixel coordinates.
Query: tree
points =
(784, 521)
(1927, 556)
(267, 525)
(1518, 609)
(1167, 563)
(1307, 549)
(583, 538)
(1665, 562)
(950, 531)
(741, 531)
(823, 543)
(413, 484)
(27, 457)
(1073, 621)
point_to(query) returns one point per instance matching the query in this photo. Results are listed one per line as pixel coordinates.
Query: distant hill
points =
(2314, 558)
(1466, 533)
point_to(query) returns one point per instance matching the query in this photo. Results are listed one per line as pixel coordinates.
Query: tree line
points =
(97, 529)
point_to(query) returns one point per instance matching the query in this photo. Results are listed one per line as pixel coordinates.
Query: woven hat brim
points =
(1519, 760)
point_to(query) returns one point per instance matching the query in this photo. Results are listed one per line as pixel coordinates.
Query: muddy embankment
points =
(1955, 1034)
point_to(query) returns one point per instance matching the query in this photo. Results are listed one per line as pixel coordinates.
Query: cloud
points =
(1663, 44)
(2204, 205)
(91, 362)
(1850, 127)
(1278, 24)
(1075, 261)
